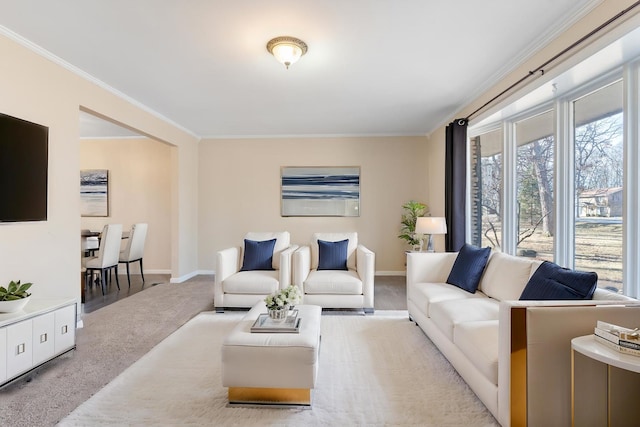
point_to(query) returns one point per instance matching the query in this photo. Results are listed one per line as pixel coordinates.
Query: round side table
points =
(605, 384)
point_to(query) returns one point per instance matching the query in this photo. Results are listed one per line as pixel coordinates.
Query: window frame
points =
(564, 171)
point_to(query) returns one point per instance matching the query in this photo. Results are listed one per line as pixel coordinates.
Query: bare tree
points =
(598, 164)
(535, 168)
(597, 157)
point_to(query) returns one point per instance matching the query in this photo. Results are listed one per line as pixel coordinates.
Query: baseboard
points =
(183, 278)
(391, 273)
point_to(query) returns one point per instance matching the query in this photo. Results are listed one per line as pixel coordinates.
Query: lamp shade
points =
(431, 225)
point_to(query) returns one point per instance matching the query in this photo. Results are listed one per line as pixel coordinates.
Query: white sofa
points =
(235, 288)
(515, 355)
(350, 288)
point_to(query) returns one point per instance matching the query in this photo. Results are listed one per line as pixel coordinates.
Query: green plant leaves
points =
(14, 291)
(412, 210)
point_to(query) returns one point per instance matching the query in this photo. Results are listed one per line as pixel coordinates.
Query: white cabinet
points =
(43, 340)
(43, 330)
(19, 347)
(65, 334)
(3, 355)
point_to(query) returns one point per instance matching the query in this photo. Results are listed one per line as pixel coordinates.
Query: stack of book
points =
(619, 338)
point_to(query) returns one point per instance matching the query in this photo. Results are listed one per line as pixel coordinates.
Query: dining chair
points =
(90, 245)
(135, 248)
(107, 258)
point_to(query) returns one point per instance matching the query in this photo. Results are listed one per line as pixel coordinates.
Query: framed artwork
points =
(94, 192)
(320, 191)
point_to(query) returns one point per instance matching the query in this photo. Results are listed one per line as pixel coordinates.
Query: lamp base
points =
(430, 244)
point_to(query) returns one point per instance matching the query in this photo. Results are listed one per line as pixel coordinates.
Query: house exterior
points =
(603, 202)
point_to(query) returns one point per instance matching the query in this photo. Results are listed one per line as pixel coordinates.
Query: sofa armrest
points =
(534, 356)
(366, 268)
(285, 266)
(301, 266)
(227, 263)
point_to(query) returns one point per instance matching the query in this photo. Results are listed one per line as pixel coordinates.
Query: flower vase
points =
(279, 315)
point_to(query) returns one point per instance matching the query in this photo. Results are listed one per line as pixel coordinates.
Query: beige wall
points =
(240, 190)
(48, 253)
(139, 191)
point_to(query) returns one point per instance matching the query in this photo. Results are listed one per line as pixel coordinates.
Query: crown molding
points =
(39, 50)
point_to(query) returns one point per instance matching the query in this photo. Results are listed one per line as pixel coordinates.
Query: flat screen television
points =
(24, 158)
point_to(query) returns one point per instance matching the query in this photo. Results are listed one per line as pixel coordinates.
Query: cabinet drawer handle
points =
(43, 338)
(20, 349)
(64, 329)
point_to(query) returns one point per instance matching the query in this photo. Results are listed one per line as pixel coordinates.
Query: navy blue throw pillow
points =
(332, 255)
(468, 267)
(552, 282)
(258, 255)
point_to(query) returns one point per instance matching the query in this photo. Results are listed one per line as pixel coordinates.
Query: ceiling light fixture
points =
(287, 50)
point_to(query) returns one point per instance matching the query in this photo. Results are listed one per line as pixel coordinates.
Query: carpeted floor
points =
(112, 339)
(374, 370)
(116, 336)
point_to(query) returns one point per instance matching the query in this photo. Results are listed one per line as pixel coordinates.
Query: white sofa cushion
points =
(448, 314)
(506, 276)
(605, 295)
(333, 282)
(425, 294)
(251, 282)
(479, 342)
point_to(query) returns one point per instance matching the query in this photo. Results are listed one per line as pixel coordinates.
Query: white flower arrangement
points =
(283, 298)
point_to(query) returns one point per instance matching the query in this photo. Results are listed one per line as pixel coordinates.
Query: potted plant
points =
(279, 303)
(14, 297)
(412, 210)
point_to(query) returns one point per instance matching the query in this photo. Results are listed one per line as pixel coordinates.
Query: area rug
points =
(378, 370)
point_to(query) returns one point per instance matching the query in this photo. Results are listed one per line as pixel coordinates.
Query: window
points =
(486, 176)
(534, 175)
(598, 184)
(558, 168)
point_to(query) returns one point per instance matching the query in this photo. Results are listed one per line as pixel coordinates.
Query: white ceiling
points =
(374, 67)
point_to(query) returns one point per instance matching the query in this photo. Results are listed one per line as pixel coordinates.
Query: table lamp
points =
(430, 225)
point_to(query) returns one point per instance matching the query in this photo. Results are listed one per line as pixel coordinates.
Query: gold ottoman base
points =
(270, 396)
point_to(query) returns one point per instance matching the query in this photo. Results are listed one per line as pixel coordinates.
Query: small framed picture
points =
(94, 192)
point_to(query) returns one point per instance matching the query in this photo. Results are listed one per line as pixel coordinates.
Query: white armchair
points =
(234, 287)
(350, 286)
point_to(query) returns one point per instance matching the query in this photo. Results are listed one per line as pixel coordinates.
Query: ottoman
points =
(272, 368)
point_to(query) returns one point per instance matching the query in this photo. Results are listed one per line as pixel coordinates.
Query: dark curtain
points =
(455, 184)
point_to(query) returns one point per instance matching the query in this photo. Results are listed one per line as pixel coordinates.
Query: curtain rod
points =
(540, 68)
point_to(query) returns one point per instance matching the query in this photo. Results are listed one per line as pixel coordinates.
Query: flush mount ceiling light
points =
(287, 50)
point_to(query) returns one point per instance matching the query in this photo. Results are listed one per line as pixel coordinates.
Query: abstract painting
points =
(320, 191)
(94, 192)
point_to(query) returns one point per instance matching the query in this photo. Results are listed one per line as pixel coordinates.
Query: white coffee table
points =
(272, 368)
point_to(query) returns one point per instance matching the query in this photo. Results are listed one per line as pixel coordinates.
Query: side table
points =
(605, 385)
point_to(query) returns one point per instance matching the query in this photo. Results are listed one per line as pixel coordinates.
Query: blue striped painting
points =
(320, 191)
(94, 192)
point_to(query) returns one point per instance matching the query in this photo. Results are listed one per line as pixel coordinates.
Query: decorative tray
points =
(265, 324)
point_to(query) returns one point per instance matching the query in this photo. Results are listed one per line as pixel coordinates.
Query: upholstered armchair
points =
(334, 271)
(248, 273)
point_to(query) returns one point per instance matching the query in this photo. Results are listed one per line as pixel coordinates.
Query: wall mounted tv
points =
(24, 154)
